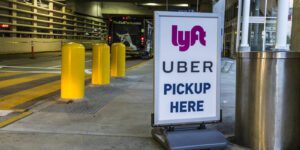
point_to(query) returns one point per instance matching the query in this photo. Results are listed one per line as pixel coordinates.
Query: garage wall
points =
(86, 7)
(124, 8)
(23, 45)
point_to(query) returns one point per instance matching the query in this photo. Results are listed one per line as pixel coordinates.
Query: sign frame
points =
(157, 15)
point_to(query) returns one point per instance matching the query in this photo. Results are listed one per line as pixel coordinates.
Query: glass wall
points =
(262, 28)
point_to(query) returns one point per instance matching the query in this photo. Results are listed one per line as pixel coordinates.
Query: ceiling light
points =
(150, 4)
(181, 5)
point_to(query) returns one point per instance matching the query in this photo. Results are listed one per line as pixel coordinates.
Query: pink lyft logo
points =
(185, 39)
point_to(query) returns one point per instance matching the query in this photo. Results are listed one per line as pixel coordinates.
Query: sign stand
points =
(189, 137)
(184, 139)
(187, 81)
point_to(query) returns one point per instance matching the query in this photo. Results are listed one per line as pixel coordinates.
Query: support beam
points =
(51, 7)
(63, 10)
(245, 26)
(35, 11)
(13, 20)
(282, 25)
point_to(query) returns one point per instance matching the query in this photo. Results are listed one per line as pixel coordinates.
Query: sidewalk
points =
(114, 117)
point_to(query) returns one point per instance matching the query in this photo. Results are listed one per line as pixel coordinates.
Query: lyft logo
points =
(185, 39)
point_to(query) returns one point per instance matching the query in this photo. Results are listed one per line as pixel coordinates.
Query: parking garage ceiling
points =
(157, 1)
(142, 7)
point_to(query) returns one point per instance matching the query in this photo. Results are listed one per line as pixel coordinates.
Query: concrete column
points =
(295, 44)
(245, 26)
(51, 15)
(14, 21)
(35, 3)
(282, 25)
(63, 9)
(75, 27)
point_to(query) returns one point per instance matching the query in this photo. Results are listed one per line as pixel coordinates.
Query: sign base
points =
(192, 138)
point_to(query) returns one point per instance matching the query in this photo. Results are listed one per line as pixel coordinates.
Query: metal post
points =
(32, 50)
(72, 72)
(238, 30)
(257, 36)
(101, 64)
(118, 60)
(282, 20)
(61, 45)
(245, 26)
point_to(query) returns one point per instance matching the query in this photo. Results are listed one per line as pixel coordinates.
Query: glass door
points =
(257, 25)
(263, 21)
(257, 33)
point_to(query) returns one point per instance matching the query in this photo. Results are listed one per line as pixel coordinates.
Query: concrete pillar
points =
(282, 25)
(63, 10)
(75, 27)
(51, 15)
(295, 44)
(14, 21)
(35, 3)
(245, 26)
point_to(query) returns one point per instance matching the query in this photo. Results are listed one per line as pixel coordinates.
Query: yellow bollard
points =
(72, 72)
(118, 60)
(101, 64)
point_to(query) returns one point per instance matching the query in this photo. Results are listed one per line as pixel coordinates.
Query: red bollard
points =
(32, 50)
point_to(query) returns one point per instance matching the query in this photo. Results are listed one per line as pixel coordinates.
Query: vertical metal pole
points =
(118, 60)
(61, 44)
(101, 64)
(245, 26)
(72, 72)
(257, 36)
(32, 50)
(264, 32)
(238, 30)
(282, 20)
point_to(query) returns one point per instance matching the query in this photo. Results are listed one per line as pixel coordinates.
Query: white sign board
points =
(187, 68)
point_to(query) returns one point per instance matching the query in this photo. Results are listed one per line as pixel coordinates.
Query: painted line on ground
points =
(29, 67)
(10, 101)
(23, 71)
(15, 99)
(5, 112)
(15, 81)
(26, 67)
(138, 65)
(14, 119)
(58, 66)
(6, 74)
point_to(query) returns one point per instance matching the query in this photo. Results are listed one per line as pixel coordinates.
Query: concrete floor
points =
(114, 117)
(48, 62)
